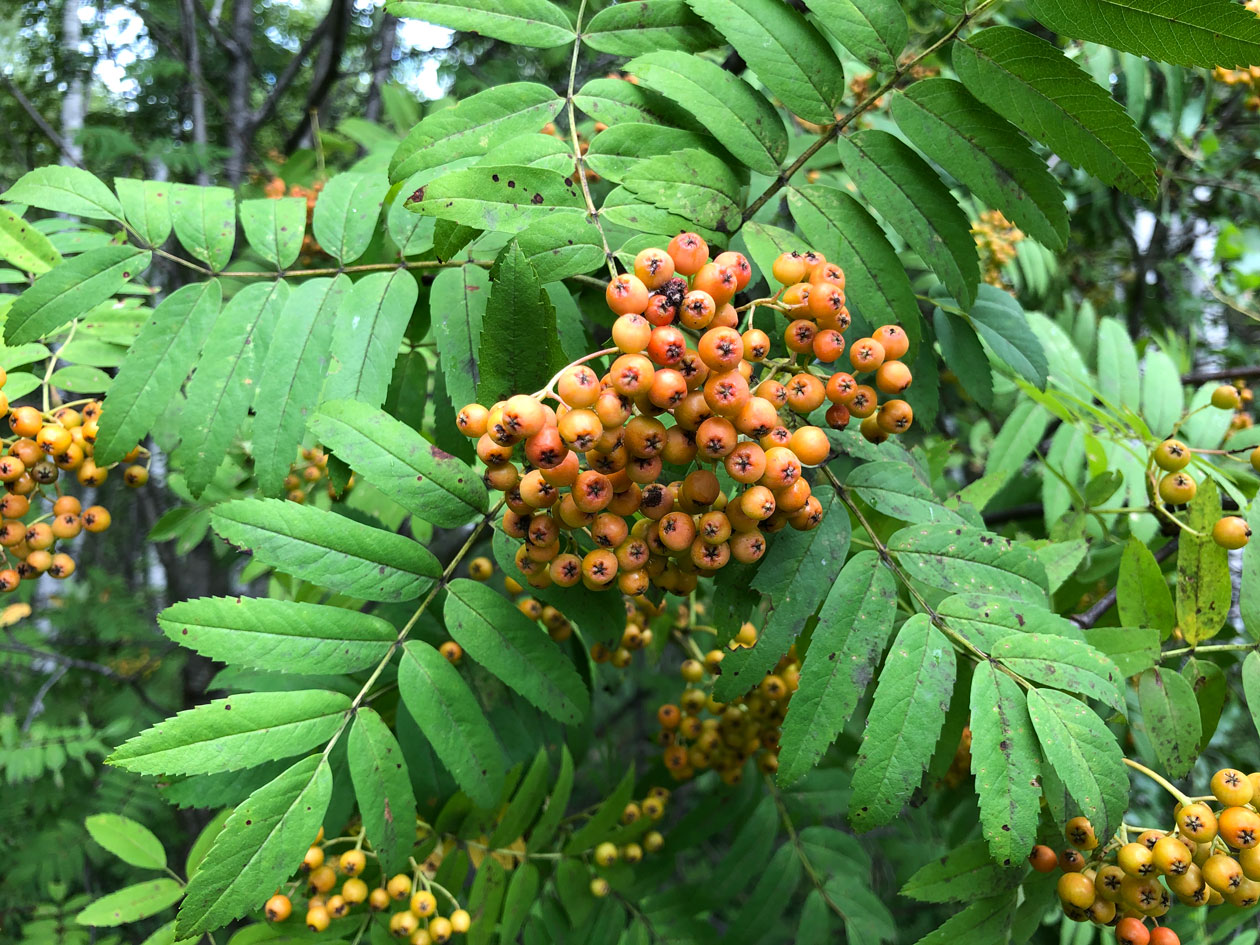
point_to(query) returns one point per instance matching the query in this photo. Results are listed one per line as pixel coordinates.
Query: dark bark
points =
(240, 76)
(327, 71)
(381, 66)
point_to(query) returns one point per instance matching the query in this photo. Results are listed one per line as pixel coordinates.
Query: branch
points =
(1224, 374)
(41, 123)
(338, 17)
(220, 37)
(1090, 617)
(264, 111)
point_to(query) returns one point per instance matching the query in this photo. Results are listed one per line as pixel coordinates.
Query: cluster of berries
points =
(417, 923)
(593, 463)
(1244, 397)
(607, 853)
(1177, 487)
(996, 238)
(1210, 857)
(275, 188)
(637, 633)
(307, 473)
(700, 733)
(43, 446)
(557, 624)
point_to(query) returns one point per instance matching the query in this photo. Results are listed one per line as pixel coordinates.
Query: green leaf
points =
(80, 378)
(960, 346)
(382, 787)
(1206, 33)
(618, 150)
(604, 820)
(1251, 686)
(234, 733)
(1084, 754)
(905, 721)
(1204, 591)
(1162, 395)
(622, 208)
(1064, 664)
(132, 903)
(526, 803)
(1171, 717)
(985, 922)
(515, 649)
(327, 549)
(131, 842)
(814, 926)
(998, 318)
(426, 481)
(728, 107)
(1034, 86)
(1210, 689)
(1018, 437)
(345, 216)
(910, 196)
(559, 247)
(614, 101)
(853, 628)
(502, 197)
(519, 345)
(984, 619)
(1118, 379)
(275, 228)
(968, 872)
(371, 323)
(1006, 764)
(762, 911)
(691, 182)
(485, 899)
(522, 893)
(24, 246)
(519, 22)
(458, 297)
(1132, 649)
(205, 222)
(789, 56)
(985, 152)
(278, 635)
(71, 290)
(65, 190)
(968, 560)
(473, 126)
(222, 389)
(448, 714)
(1142, 595)
(873, 31)
(292, 374)
(641, 26)
(260, 846)
(1249, 592)
(147, 207)
(557, 804)
(892, 488)
(156, 365)
(796, 575)
(751, 844)
(205, 840)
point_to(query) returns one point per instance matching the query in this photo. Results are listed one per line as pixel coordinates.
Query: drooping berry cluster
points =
(307, 473)
(36, 514)
(1176, 486)
(700, 733)
(1209, 857)
(418, 921)
(630, 457)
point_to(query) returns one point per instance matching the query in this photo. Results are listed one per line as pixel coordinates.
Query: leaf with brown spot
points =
(382, 787)
(1006, 763)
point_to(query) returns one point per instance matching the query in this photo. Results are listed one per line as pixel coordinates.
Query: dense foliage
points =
(884, 578)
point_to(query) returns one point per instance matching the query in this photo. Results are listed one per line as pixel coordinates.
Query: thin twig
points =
(1088, 618)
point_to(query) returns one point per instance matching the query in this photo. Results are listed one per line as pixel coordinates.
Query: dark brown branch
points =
(327, 71)
(1224, 374)
(268, 108)
(49, 131)
(1088, 618)
(230, 46)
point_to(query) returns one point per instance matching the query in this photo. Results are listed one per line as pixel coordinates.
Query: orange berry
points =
(625, 294)
(789, 268)
(689, 252)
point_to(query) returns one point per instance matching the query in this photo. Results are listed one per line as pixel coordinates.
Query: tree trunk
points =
(381, 66)
(240, 128)
(74, 105)
(196, 87)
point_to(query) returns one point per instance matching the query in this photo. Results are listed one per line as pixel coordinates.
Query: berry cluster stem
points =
(411, 622)
(547, 390)
(578, 160)
(1158, 779)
